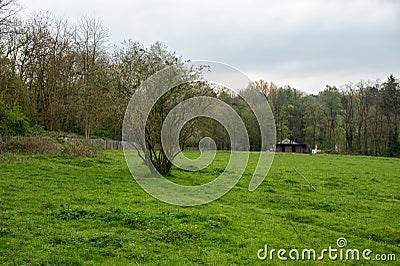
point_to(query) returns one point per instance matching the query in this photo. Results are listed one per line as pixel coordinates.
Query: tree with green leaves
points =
(331, 107)
(170, 69)
(312, 119)
(390, 106)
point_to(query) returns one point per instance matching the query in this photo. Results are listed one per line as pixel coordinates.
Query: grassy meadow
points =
(63, 210)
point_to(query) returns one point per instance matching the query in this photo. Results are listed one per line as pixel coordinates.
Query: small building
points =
(291, 146)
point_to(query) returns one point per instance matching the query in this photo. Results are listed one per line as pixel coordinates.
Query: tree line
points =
(359, 118)
(59, 77)
(70, 78)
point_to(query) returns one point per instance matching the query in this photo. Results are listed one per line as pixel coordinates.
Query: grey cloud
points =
(296, 39)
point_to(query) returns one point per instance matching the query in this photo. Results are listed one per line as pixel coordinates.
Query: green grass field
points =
(73, 211)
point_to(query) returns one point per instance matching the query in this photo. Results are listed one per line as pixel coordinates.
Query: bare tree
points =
(8, 9)
(349, 103)
(263, 86)
(91, 38)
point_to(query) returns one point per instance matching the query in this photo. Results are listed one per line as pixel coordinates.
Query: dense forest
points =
(59, 77)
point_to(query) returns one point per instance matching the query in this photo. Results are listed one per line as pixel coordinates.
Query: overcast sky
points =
(306, 44)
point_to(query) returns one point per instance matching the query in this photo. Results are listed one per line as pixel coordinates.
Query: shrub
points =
(47, 146)
(81, 150)
(31, 145)
(13, 122)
